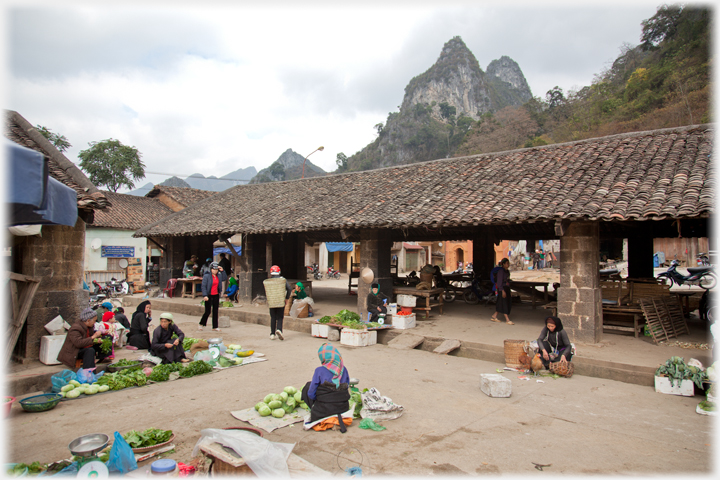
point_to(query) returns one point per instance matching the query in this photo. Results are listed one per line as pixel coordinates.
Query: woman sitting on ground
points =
(139, 335)
(81, 342)
(553, 343)
(298, 292)
(328, 394)
(163, 345)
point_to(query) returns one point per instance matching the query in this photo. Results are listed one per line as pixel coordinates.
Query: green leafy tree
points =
(111, 164)
(662, 25)
(60, 142)
(379, 128)
(341, 161)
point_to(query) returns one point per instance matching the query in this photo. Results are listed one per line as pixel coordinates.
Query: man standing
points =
(225, 264)
(277, 291)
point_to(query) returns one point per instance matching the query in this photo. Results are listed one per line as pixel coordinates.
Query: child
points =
(108, 327)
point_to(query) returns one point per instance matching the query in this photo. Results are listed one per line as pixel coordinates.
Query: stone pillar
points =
(375, 246)
(640, 257)
(579, 296)
(252, 268)
(57, 258)
(483, 255)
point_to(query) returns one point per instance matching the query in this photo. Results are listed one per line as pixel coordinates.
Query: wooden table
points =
(531, 285)
(189, 282)
(424, 294)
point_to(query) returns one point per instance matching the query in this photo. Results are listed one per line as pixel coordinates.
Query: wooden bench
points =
(427, 294)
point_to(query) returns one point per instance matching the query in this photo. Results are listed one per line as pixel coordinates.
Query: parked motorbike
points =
(703, 259)
(315, 271)
(480, 290)
(701, 276)
(118, 288)
(332, 273)
(100, 290)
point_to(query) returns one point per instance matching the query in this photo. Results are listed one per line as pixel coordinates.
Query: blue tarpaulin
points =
(225, 250)
(339, 246)
(35, 197)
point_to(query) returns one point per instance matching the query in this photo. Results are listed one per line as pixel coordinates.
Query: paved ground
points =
(581, 425)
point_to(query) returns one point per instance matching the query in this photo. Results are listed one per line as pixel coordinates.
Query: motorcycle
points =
(703, 259)
(315, 271)
(701, 276)
(100, 290)
(331, 273)
(118, 288)
(480, 290)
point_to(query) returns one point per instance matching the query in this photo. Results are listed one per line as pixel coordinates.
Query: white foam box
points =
(56, 324)
(392, 309)
(358, 338)
(403, 321)
(686, 388)
(495, 385)
(406, 300)
(50, 346)
(321, 331)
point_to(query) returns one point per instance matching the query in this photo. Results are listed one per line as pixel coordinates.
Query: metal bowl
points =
(41, 403)
(88, 445)
(215, 341)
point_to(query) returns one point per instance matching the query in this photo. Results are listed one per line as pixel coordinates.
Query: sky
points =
(210, 89)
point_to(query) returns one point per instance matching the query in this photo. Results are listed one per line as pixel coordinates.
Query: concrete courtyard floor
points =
(583, 425)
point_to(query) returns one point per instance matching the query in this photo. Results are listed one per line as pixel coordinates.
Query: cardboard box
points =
(358, 338)
(495, 385)
(686, 388)
(406, 300)
(50, 346)
(134, 261)
(403, 321)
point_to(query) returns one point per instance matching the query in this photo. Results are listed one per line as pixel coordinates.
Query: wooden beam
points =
(159, 246)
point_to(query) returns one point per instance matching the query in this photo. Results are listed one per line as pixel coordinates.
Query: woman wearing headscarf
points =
(139, 336)
(376, 302)
(163, 345)
(298, 293)
(80, 342)
(553, 343)
(328, 394)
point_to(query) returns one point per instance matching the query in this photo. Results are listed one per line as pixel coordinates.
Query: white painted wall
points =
(115, 238)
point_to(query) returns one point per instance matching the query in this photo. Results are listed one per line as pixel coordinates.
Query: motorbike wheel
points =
(336, 275)
(471, 298)
(708, 281)
(449, 296)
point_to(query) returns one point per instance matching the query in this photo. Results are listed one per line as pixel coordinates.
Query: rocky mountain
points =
(175, 182)
(440, 106)
(197, 180)
(288, 166)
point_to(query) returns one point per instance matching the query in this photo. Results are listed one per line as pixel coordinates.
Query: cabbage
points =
(92, 390)
(264, 410)
(73, 393)
(303, 405)
(711, 373)
(284, 396)
(291, 402)
(75, 382)
(104, 388)
(268, 398)
(260, 404)
(67, 387)
(298, 397)
(290, 390)
(275, 404)
(278, 398)
(278, 413)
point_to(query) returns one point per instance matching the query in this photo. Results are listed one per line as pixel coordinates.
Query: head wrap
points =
(215, 265)
(302, 287)
(166, 316)
(141, 307)
(556, 321)
(373, 287)
(87, 314)
(332, 360)
(107, 316)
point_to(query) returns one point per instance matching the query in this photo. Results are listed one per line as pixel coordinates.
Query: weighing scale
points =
(87, 447)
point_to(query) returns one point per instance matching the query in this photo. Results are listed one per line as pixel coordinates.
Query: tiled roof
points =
(183, 195)
(60, 168)
(130, 212)
(657, 174)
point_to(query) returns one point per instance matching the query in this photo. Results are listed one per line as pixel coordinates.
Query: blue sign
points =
(117, 252)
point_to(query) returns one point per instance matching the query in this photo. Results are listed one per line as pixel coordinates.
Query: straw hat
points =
(367, 275)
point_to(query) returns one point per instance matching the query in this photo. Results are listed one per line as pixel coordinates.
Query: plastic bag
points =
(122, 458)
(61, 379)
(86, 375)
(369, 424)
(265, 458)
(377, 407)
(203, 355)
(298, 305)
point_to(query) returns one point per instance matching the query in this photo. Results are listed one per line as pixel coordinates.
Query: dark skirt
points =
(140, 340)
(504, 305)
(169, 355)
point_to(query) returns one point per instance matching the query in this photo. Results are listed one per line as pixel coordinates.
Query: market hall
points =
(638, 186)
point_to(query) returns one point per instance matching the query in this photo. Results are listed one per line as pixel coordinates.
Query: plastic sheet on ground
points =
(269, 423)
(265, 458)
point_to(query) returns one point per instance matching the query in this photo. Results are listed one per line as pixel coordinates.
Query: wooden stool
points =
(78, 363)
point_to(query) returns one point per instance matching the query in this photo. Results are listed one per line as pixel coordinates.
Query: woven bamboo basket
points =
(275, 292)
(426, 277)
(513, 350)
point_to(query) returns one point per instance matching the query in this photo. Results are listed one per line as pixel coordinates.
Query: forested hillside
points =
(664, 81)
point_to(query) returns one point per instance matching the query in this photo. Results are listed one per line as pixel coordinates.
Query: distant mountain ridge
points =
(288, 166)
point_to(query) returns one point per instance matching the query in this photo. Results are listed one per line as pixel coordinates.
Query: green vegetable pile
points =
(123, 379)
(161, 373)
(106, 344)
(373, 325)
(188, 342)
(74, 389)
(346, 318)
(225, 303)
(33, 468)
(147, 438)
(708, 406)
(280, 404)
(325, 319)
(124, 363)
(675, 368)
(198, 367)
